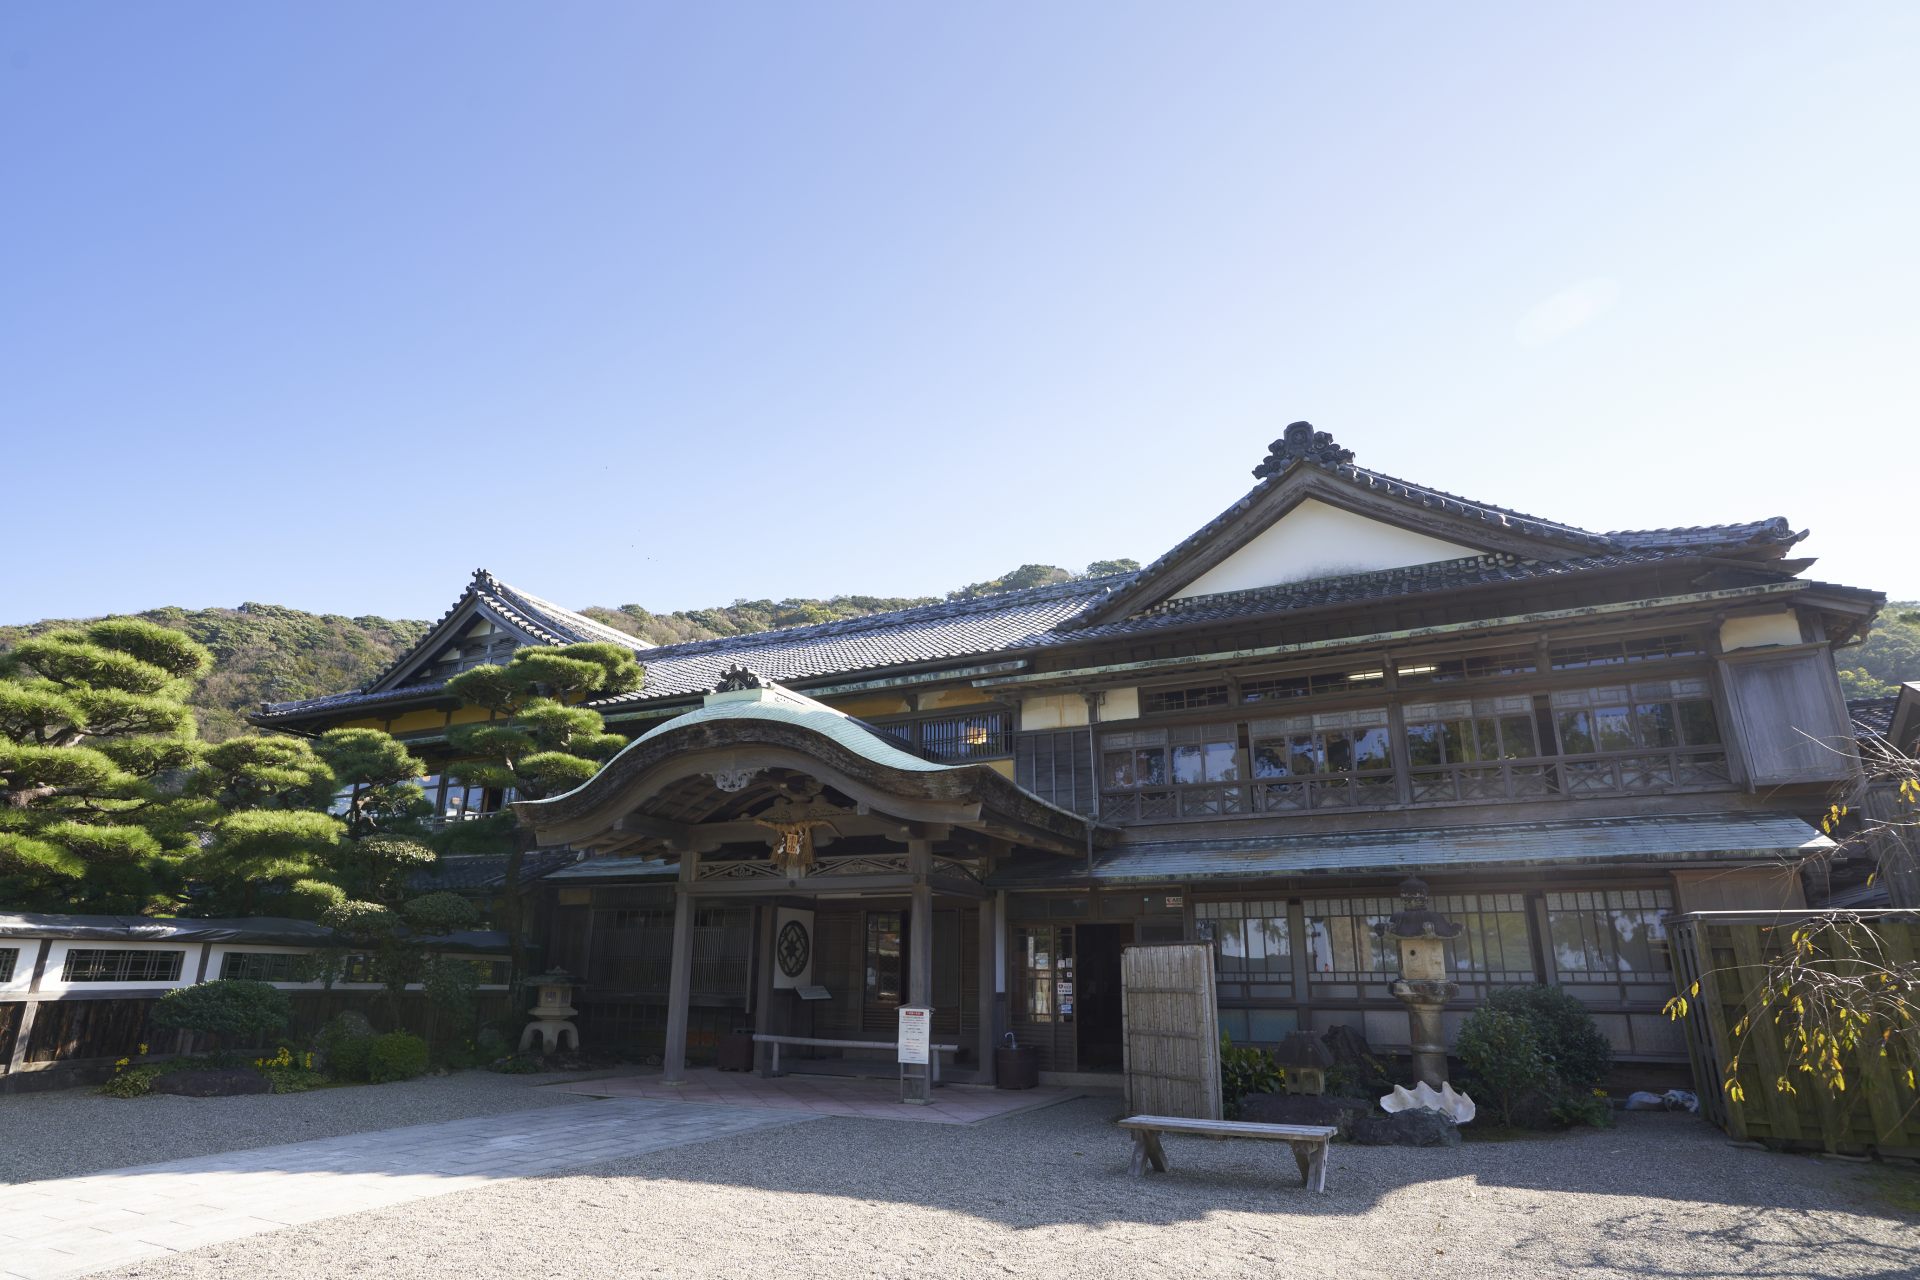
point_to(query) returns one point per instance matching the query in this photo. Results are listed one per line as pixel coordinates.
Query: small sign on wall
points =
(916, 1034)
(792, 948)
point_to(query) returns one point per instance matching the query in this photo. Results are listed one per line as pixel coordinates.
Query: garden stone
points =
(1303, 1108)
(213, 1082)
(1418, 1128)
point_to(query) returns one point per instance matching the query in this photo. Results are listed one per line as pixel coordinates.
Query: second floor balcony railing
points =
(1571, 777)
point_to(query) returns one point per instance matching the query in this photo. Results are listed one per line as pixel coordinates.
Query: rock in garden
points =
(213, 1082)
(1303, 1108)
(1420, 1128)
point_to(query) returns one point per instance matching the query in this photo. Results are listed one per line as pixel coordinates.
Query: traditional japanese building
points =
(1342, 679)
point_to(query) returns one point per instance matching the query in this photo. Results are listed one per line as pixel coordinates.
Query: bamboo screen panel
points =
(1170, 1016)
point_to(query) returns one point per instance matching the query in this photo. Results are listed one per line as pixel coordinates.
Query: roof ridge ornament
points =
(1301, 443)
(737, 677)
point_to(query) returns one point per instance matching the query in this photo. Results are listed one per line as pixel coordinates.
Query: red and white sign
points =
(916, 1034)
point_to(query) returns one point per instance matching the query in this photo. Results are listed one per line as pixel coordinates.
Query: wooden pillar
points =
(917, 1082)
(673, 1062)
(988, 1039)
(763, 992)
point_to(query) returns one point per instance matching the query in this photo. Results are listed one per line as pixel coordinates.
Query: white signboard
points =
(792, 949)
(916, 1033)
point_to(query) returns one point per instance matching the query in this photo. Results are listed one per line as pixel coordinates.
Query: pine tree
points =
(95, 734)
(540, 745)
(268, 845)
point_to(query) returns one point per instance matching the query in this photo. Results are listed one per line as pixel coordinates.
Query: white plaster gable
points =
(1319, 540)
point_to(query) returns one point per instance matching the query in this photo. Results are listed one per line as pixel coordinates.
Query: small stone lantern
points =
(552, 1014)
(1305, 1058)
(1423, 987)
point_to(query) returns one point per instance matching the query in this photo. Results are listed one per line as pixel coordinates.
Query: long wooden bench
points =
(813, 1042)
(1309, 1142)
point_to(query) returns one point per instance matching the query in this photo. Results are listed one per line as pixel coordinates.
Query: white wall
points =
(1753, 630)
(1315, 540)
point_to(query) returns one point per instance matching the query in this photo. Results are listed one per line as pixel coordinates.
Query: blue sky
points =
(328, 305)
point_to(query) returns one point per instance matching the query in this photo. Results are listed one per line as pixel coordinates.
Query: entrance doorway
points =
(1097, 1003)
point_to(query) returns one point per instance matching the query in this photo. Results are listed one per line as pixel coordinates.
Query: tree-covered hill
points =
(267, 653)
(1890, 656)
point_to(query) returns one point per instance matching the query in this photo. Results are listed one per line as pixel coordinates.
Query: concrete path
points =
(859, 1098)
(74, 1226)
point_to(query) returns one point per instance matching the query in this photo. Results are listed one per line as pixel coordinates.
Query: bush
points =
(1590, 1109)
(1245, 1071)
(132, 1082)
(1503, 1058)
(397, 1055)
(225, 1008)
(291, 1079)
(347, 1043)
(1577, 1052)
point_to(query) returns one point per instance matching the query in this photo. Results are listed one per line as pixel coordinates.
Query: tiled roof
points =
(1684, 837)
(1872, 715)
(1020, 621)
(474, 872)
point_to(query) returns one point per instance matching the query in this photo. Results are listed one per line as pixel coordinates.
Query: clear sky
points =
(326, 305)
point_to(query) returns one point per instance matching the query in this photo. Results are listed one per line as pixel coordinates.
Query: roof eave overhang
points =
(975, 796)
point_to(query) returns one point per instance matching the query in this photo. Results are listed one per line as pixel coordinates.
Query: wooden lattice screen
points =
(1171, 1017)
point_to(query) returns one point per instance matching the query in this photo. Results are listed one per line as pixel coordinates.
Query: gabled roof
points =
(539, 621)
(535, 620)
(1305, 464)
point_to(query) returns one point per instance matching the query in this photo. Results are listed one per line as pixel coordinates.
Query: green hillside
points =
(267, 653)
(1890, 656)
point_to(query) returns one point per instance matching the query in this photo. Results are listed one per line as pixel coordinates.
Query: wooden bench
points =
(1309, 1142)
(812, 1042)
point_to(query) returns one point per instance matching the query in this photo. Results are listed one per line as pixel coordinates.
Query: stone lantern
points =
(552, 1013)
(1423, 987)
(1305, 1058)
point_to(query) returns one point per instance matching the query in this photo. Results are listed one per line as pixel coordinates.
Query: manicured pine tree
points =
(382, 806)
(94, 736)
(268, 847)
(541, 744)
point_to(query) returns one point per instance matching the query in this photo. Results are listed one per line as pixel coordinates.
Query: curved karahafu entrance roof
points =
(714, 775)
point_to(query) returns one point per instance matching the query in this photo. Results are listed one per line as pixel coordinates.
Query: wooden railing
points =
(1544, 778)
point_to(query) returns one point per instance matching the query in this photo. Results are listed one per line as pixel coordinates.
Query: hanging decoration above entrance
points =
(793, 826)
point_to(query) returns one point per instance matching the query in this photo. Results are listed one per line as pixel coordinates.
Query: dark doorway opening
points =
(1097, 1002)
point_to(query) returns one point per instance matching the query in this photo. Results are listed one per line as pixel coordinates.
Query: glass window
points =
(9, 956)
(1480, 666)
(1343, 940)
(1494, 943)
(883, 957)
(1651, 715)
(1606, 934)
(266, 966)
(102, 965)
(1045, 957)
(1159, 700)
(1250, 938)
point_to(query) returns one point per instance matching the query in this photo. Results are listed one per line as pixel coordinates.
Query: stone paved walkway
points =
(73, 1226)
(864, 1099)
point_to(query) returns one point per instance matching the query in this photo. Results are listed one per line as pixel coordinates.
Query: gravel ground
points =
(1046, 1193)
(67, 1132)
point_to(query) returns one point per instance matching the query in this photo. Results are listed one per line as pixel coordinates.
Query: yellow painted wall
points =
(1750, 631)
(944, 698)
(1739, 889)
(415, 721)
(872, 705)
(1053, 711)
(470, 715)
(1002, 766)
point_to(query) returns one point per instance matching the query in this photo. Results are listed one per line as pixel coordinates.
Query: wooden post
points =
(763, 992)
(673, 1062)
(918, 1082)
(985, 1033)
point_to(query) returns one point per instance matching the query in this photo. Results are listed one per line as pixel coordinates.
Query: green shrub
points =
(396, 1055)
(347, 1042)
(291, 1079)
(1577, 1052)
(520, 1064)
(1245, 1071)
(226, 1008)
(132, 1082)
(1503, 1060)
(1591, 1109)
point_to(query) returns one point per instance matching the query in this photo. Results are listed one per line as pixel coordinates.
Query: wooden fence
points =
(1727, 952)
(1170, 1012)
